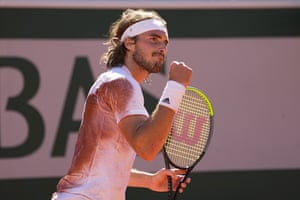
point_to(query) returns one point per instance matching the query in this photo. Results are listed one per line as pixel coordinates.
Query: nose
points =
(163, 49)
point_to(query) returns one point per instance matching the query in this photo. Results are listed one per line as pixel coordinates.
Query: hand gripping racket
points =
(190, 134)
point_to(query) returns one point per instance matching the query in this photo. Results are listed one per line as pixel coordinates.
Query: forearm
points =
(140, 179)
(147, 135)
(157, 181)
(153, 132)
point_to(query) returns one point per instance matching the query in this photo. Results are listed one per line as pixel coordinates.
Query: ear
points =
(129, 44)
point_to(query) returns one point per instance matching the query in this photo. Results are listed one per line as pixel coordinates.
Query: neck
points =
(138, 73)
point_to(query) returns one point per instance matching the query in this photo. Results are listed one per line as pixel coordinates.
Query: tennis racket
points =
(190, 134)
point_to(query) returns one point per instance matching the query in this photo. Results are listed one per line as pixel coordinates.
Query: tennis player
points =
(116, 127)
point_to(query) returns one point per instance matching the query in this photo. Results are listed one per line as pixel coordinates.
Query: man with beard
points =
(116, 126)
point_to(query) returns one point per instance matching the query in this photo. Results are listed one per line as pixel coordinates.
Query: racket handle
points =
(177, 189)
(179, 186)
(170, 188)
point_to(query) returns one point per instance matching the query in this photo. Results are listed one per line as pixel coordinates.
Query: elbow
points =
(147, 155)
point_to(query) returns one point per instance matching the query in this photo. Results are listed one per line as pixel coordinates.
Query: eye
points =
(154, 39)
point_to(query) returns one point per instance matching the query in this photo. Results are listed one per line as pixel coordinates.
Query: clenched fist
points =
(180, 72)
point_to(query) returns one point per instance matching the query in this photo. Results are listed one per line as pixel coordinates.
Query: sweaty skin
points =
(101, 149)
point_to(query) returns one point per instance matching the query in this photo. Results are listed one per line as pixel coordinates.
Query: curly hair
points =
(116, 51)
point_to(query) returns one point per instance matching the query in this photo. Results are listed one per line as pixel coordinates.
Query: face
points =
(150, 50)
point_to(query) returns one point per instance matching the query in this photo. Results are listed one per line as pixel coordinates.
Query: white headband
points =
(143, 26)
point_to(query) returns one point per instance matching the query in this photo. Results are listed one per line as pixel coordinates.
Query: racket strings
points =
(187, 142)
(185, 155)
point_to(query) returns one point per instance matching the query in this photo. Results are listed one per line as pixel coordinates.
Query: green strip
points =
(235, 185)
(89, 23)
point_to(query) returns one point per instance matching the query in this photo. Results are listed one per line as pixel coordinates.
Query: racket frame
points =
(168, 162)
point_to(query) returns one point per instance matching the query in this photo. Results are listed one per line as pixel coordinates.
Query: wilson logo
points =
(190, 132)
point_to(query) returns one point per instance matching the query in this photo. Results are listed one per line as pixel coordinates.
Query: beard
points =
(150, 66)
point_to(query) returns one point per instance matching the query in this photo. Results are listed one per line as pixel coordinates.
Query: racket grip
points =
(179, 186)
(170, 188)
(177, 189)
